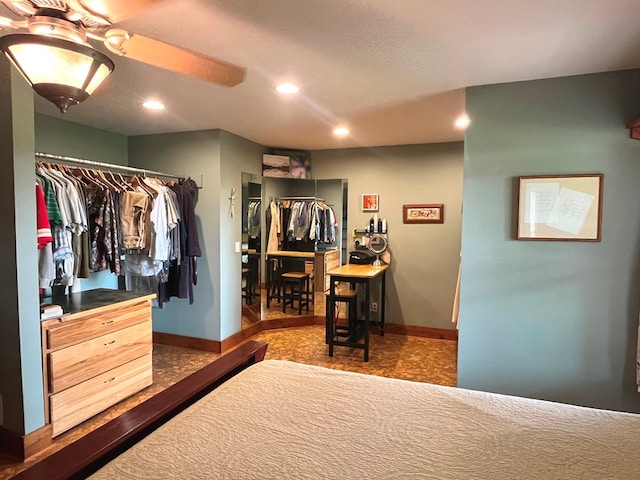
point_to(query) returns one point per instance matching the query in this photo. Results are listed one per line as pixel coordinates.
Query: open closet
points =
(138, 224)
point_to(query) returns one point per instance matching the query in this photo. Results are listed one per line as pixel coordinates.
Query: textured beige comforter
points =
(282, 420)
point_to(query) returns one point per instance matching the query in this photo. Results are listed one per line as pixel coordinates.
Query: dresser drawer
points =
(77, 404)
(77, 363)
(331, 261)
(332, 264)
(87, 325)
(332, 255)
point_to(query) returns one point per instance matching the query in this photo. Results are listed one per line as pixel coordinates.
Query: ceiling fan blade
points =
(118, 10)
(170, 57)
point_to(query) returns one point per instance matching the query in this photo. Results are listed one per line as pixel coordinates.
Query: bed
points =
(282, 420)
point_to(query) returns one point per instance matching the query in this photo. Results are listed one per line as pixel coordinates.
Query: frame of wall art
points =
(560, 207)
(370, 202)
(423, 213)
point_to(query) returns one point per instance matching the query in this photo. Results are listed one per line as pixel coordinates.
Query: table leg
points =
(331, 308)
(367, 318)
(268, 281)
(382, 300)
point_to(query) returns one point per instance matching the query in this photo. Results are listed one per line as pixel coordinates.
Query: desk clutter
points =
(50, 311)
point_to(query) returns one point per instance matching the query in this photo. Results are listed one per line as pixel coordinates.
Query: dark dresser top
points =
(91, 299)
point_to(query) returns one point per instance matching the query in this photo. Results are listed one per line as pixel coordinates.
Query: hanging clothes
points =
(97, 218)
(67, 250)
(307, 224)
(46, 270)
(273, 223)
(43, 232)
(253, 218)
(134, 210)
(182, 273)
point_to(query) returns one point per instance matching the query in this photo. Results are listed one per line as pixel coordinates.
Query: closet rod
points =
(300, 198)
(109, 166)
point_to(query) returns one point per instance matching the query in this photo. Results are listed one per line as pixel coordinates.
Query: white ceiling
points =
(393, 70)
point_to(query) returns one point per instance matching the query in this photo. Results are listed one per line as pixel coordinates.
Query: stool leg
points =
(326, 321)
(306, 293)
(352, 314)
(331, 308)
(284, 297)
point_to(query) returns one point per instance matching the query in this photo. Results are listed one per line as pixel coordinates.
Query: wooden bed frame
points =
(93, 450)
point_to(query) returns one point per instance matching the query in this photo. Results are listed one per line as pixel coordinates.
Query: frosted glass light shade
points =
(63, 72)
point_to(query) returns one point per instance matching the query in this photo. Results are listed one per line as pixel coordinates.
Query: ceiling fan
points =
(67, 24)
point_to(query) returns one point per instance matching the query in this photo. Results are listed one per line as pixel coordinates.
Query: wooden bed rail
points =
(98, 447)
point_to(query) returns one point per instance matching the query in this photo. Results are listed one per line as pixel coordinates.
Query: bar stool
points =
(247, 289)
(274, 280)
(338, 334)
(295, 286)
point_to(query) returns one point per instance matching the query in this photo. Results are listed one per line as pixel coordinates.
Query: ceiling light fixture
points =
(341, 131)
(65, 72)
(288, 88)
(153, 105)
(462, 122)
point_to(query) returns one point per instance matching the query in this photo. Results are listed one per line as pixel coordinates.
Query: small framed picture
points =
(423, 213)
(369, 202)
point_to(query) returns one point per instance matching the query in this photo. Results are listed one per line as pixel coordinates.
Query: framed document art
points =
(560, 207)
(423, 213)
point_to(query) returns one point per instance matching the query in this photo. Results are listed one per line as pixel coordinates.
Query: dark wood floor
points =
(398, 356)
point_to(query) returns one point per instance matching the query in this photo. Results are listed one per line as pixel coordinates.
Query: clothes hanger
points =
(87, 176)
(106, 181)
(113, 180)
(136, 180)
(125, 184)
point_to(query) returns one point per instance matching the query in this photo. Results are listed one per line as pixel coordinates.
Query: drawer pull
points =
(110, 380)
(108, 322)
(109, 343)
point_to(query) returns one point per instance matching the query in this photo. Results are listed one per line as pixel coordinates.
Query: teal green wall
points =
(21, 387)
(216, 160)
(551, 320)
(237, 155)
(63, 137)
(422, 278)
(195, 155)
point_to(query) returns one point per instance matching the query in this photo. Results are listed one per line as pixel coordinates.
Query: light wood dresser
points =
(97, 354)
(325, 262)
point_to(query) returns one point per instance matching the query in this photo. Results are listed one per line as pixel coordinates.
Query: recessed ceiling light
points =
(288, 88)
(462, 121)
(341, 131)
(153, 105)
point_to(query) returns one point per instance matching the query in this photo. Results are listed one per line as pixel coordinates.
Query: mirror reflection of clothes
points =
(300, 225)
(253, 218)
